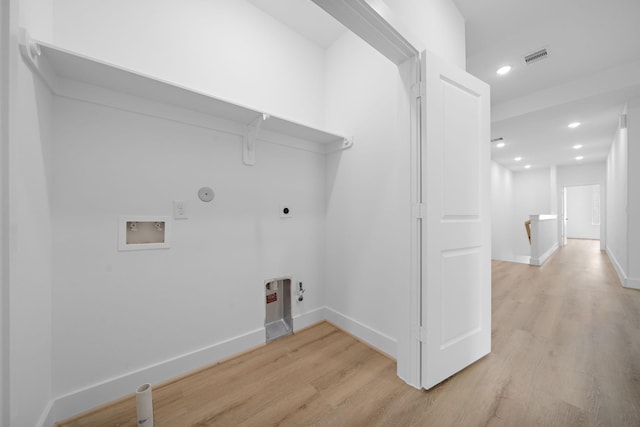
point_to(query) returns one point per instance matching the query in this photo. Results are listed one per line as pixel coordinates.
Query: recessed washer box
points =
(137, 232)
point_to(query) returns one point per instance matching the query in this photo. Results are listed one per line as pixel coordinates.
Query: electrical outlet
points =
(180, 210)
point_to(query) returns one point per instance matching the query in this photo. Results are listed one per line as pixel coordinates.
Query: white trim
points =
(622, 276)
(625, 281)
(375, 23)
(309, 318)
(545, 256)
(47, 417)
(632, 283)
(89, 397)
(114, 388)
(377, 339)
(541, 217)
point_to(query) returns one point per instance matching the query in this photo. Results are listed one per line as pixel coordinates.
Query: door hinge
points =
(419, 211)
(420, 332)
(417, 90)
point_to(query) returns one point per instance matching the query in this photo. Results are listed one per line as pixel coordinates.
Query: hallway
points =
(569, 334)
(565, 353)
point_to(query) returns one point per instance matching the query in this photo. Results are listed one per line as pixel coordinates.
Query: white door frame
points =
(8, 75)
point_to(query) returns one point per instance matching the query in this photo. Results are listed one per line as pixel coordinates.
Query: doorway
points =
(582, 211)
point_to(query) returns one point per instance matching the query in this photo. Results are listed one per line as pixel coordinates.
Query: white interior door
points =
(456, 232)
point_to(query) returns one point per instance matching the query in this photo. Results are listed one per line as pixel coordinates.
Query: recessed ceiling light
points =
(517, 159)
(504, 70)
(579, 157)
(577, 146)
(574, 125)
(527, 166)
(499, 142)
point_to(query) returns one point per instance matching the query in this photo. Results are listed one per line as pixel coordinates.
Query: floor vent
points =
(536, 56)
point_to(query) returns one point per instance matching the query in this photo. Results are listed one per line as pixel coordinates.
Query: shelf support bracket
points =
(339, 145)
(249, 139)
(29, 49)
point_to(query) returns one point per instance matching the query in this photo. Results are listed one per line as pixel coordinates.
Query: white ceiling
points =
(585, 38)
(593, 68)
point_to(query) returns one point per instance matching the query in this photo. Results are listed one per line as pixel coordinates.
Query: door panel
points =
(456, 234)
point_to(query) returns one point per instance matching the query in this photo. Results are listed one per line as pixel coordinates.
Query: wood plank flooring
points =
(566, 352)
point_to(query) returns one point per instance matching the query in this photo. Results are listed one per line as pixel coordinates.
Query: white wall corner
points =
(47, 418)
(310, 318)
(631, 283)
(377, 339)
(545, 256)
(622, 276)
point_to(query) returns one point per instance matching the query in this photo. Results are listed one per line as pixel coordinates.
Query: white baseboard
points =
(545, 256)
(81, 400)
(309, 318)
(632, 283)
(46, 418)
(625, 281)
(622, 276)
(521, 259)
(380, 341)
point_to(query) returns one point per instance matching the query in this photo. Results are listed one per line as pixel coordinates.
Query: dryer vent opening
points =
(278, 322)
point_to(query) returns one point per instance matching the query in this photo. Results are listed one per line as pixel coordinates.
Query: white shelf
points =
(77, 67)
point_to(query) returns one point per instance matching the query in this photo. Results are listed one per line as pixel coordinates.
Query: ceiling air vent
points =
(536, 56)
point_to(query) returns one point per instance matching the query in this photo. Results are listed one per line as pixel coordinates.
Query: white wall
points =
(633, 200)
(579, 212)
(436, 25)
(30, 258)
(140, 308)
(503, 224)
(225, 48)
(5, 25)
(37, 17)
(108, 162)
(623, 202)
(367, 191)
(617, 184)
(532, 195)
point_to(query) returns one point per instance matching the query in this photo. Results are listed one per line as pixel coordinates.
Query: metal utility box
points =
(278, 322)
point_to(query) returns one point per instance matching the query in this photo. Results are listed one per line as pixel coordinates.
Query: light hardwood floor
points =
(566, 352)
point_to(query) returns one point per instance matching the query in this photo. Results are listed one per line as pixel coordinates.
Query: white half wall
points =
(544, 239)
(532, 195)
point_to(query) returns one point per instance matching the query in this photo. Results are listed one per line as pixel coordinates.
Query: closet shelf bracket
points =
(249, 139)
(339, 145)
(29, 49)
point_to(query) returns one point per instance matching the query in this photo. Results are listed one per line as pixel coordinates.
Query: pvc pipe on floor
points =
(144, 405)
